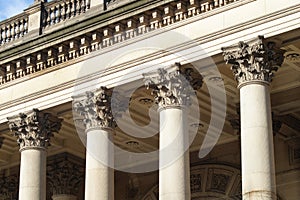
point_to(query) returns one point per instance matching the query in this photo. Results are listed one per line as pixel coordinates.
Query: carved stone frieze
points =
(172, 86)
(65, 177)
(34, 129)
(255, 60)
(95, 109)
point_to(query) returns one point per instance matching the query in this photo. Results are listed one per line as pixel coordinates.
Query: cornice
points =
(201, 40)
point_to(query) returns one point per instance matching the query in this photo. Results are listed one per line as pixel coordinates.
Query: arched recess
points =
(210, 182)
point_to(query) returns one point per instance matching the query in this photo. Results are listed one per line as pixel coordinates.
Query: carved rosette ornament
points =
(95, 109)
(34, 129)
(255, 60)
(173, 86)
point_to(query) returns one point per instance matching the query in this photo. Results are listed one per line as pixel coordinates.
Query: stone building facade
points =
(148, 100)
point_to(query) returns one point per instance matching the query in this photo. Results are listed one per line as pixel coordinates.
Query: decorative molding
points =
(294, 151)
(210, 181)
(95, 109)
(9, 187)
(254, 61)
(172, 86)
(64, 176)
(34, 128)
(148, 20)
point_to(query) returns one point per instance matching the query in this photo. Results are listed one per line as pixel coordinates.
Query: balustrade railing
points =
(58, 11)
(13, 28)
(111, 34)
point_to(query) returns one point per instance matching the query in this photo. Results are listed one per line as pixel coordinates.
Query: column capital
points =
(95, 108)
(254, 61)
(173, 86)
(34, 129)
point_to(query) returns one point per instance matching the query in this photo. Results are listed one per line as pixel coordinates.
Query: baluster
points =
(82, 6)
(77, 7)
(8, 35)
(58, 14)
(18, 29)
(52, 16)
(63, 11)
(13, 33)
(216, 3)
(73, 11)
(22, 28)
(3, 34)
(25, 26)
(88, 4)
(68, 13)
(1, 37)
(49, 17)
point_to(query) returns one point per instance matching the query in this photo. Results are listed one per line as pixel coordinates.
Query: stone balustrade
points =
(97, 39)
(13, 28)
(59, 11)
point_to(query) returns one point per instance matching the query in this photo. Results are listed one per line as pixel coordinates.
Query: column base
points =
(262, 195)
(64, 197)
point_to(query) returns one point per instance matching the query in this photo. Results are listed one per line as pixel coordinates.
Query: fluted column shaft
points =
(33, 130)
(252, 65)
(95, 108)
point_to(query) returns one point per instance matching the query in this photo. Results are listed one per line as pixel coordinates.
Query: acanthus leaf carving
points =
(255, 60)
(34, 128)
(172, 86)
(95, 108)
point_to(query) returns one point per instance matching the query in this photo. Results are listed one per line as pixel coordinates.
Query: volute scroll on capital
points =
(254, 61)
(173, 86)
(34, 129)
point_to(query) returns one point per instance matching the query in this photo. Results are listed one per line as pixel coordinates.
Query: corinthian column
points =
(33, 130)
(252, 64)
(95, 108)
(172, 94)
